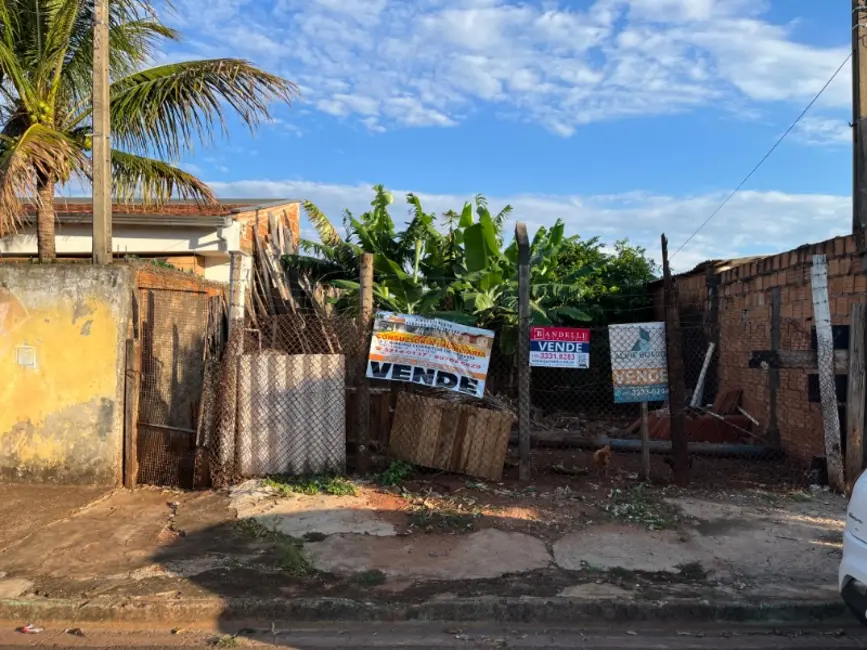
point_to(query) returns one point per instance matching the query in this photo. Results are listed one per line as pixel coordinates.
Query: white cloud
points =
(390, 63)
(751, 223)
(823, 131)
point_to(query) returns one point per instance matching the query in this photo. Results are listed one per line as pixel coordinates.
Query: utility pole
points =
(859, 133)
(101, 158)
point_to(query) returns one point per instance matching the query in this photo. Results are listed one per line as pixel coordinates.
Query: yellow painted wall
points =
(62, 329)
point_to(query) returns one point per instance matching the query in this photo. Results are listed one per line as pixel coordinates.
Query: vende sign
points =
(559, 347)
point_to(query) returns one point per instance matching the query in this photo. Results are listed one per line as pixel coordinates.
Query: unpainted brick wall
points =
(289, 215)
(744, 321)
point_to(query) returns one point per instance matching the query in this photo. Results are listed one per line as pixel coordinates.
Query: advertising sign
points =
(559, 347)
(430, 351)
(638, 362)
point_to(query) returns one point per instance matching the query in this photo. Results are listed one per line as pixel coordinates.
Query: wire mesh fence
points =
(283, 397)
(589, 420)
(172, 377)
(290, 394)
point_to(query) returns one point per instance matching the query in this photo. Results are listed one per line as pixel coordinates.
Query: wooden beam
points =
(676, 375)
(365, 322)
(825, 363)
(857, 393)
(523, 240)
(800, 359)
(130, 415)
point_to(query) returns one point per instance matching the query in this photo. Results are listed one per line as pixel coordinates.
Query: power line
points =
(765, 157)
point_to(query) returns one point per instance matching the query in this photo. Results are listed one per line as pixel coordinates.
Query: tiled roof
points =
(168, 209)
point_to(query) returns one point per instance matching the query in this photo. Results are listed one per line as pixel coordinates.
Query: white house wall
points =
(75, 239)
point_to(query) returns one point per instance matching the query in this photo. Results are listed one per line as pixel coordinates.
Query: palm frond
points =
(502, 217)
(131, 44)
(327, 232)
(39, 152)
(154, 181)
(167, 108)
(60, 24)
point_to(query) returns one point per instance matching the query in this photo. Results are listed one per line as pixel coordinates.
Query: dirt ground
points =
(436, 636)
(438, 535)
(25, 508)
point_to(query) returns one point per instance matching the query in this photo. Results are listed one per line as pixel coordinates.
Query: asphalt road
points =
(436, 636)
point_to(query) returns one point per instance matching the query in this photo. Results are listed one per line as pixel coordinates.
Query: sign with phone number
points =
(559, 347)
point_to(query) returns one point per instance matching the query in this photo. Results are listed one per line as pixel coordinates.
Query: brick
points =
(839, 245)
(850, 244)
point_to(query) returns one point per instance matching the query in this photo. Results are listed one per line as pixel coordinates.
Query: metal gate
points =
(173, 330)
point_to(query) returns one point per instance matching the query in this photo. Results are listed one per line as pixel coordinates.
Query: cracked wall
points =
(62, 335)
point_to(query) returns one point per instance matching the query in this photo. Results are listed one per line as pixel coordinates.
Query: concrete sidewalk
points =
(430, 549)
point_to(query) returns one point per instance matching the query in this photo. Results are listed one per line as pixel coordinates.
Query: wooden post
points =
(130, 415)
(855, 399)
(773, 433)
(698, 393)
(825, 362)
(645, 443)
(676, 380)
(523, 240)
(859, 106)
(101, 137)
(365, 281)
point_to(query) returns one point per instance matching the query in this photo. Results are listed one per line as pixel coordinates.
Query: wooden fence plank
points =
(855, 396)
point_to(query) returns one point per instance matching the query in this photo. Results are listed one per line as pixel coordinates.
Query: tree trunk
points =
(45, 220)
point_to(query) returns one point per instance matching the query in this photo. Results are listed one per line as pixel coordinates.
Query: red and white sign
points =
(559, 347)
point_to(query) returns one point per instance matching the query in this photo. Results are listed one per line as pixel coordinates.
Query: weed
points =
(638, 506)
(801, 497)
(692, 571)
(315, 484)
(292, 558)
(252, 527)
(429, 517)
(314, 537)
(372, 578)
(225, 641)
(619, 573)
(398, 471)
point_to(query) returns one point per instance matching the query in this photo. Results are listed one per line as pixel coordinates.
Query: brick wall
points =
(744, 322)
(149, 276)
(289, 214)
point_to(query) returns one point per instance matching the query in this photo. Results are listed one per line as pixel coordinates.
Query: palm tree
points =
(157, 113)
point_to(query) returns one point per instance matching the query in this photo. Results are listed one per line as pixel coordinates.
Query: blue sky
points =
(626, 118)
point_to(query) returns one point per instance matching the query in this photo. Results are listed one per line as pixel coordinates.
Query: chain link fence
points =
(283, 407)
(290, 394)
(588, 421)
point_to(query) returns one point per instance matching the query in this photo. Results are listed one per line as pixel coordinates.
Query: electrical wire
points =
(765, 157)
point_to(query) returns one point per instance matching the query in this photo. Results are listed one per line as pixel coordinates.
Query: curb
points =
(487, 609)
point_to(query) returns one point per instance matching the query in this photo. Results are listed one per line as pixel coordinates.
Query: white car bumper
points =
(854, 563)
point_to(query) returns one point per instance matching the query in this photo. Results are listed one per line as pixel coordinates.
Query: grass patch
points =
(255, 529)
(291, 555)
(801, 497)
(315, 484)
(429, 518)
(639, 506)
(314, 537)
(225, 641)
(692, 571)
(397, 472)
(372, 578)
(292, 559)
